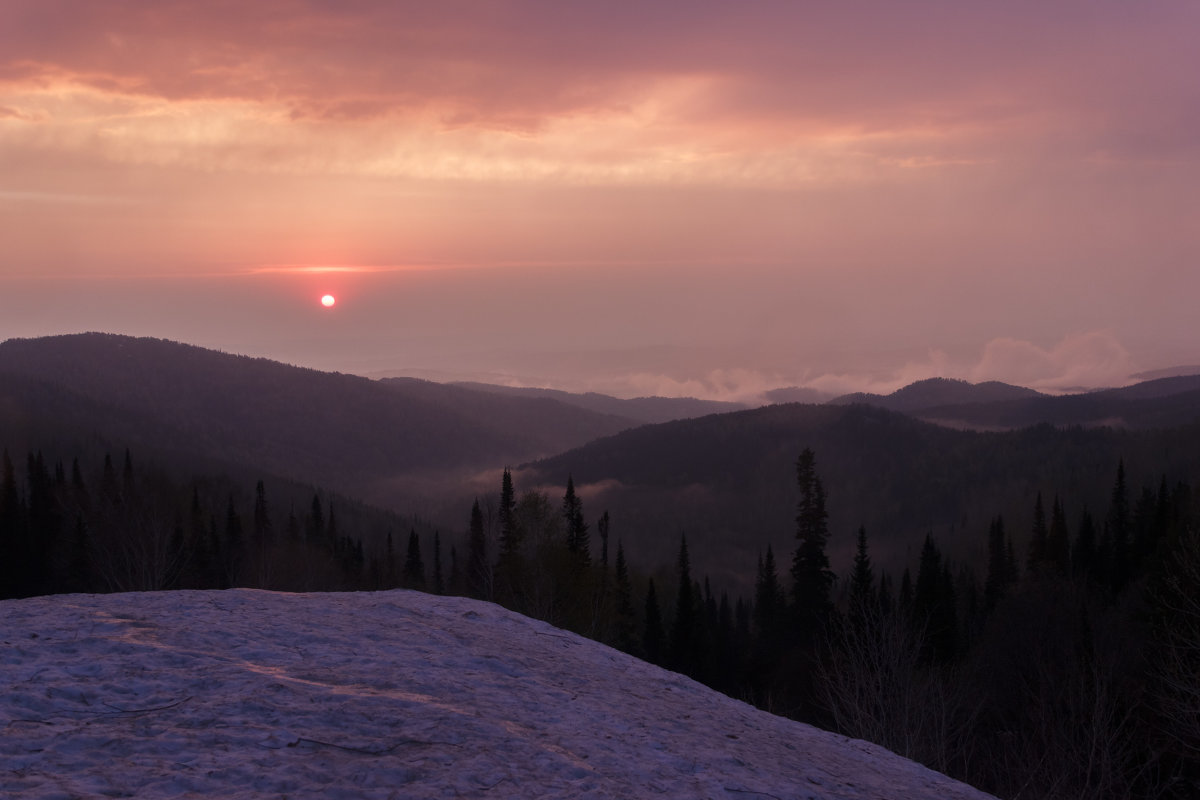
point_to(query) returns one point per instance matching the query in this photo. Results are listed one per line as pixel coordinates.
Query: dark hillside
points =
(344, 431)
(1136, 407)
(728, 480)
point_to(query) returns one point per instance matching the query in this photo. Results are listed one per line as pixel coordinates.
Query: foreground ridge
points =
(247, 693)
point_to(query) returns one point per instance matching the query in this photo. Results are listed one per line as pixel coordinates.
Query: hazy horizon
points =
(684, 199)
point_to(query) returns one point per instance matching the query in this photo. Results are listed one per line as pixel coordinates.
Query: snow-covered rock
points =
(396, 694)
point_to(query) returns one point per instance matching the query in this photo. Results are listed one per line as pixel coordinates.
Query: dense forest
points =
(111, 527)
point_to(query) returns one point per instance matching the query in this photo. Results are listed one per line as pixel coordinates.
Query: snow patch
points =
(243, 693)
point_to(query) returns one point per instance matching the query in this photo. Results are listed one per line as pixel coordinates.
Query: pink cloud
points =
(1094, 359)
(943, 66)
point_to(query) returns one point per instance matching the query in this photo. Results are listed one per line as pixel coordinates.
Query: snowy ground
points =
(244, 693)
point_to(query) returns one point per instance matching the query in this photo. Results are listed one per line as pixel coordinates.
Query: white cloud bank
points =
(1088, 360)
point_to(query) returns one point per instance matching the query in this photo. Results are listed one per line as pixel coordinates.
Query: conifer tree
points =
(79, 568)
(41, 535)
(509, 566)
(725, 650)
(331, 530)
(769, 601)
(624, 629)
(683, 629)
(602, 529)
(78, 486)
(109, 488)
(414, 566)
(509, 546)
(886, 600)
(455, 580)
(201, 572)
(652, 635)
(577, 533)
(389, 563)
(263, 537)
(812, 579)
(439, 583)
(1039, 538)
(233, 544)
(862, 582)
(935, 604)
(1116, 533)
(127, 486)
(263, 533)
(479, 569)
(292, 526)
(315, 530)
(1058, 541)
(11, 524)
(1001, 566)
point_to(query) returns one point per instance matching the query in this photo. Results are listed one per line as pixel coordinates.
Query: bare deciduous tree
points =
(875, 687)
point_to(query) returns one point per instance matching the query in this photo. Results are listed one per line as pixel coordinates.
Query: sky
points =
(678, 198)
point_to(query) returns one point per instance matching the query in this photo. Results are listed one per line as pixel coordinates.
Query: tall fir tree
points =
(624, 629)
(935, 604)
(390, 579)
(262, 517)
(509, 565)
(414, 565)
(684, 627)
(509, 546)
(479, 570)
(652, 632)
(315, 530)
(1058, 540)
(232, 546)
(812, 579)
(439, 581)
(770, 632)
(862, 583)
(11, 530)
(577, 529)
(1117, 529)
(1039, 537)
(602, 529)
(999, 577)
(42, 528)
(263, 538)
(769, 602)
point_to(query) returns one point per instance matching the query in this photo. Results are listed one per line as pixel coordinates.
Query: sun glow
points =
(328, 300)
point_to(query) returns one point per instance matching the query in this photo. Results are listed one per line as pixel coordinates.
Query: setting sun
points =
(328, 301)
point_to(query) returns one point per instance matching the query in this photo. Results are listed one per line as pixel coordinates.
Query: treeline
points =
(113, 527)
(1068, 667)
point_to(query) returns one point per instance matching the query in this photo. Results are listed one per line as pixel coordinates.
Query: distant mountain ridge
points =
(938, 392)
(995, 406)
(642, 409)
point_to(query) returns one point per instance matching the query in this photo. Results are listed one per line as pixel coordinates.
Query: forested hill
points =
(340, 430)
(937, 392)
(728, 480)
